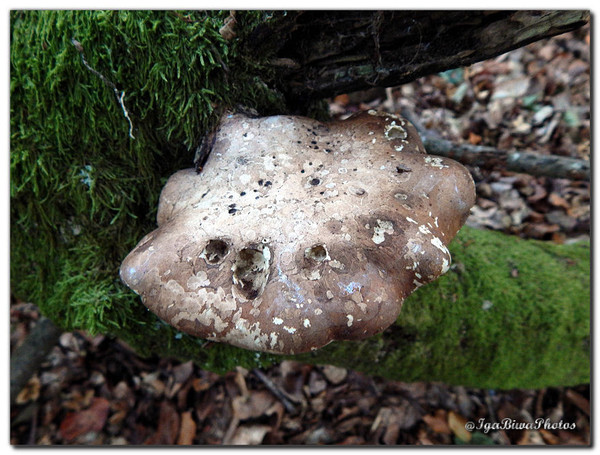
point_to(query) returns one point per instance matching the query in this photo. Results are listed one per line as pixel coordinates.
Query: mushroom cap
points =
(297, 233)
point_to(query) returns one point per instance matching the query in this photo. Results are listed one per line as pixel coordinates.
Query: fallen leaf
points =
(168, 426)
(353, 441)
(542, 115)
(227, 31)
(342, 100)
(511, 88)
(30, 392)
(457, 423)
(205, 381)
(187, 430)
(250, 435)
(316, 383)
(558, 201)
(578, 400)
(254, 405)
(438, 421)
(549, 437)
(474, 138)
(93, 418)
(335, 375)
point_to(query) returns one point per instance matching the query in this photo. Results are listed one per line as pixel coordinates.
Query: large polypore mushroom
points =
(297, 233)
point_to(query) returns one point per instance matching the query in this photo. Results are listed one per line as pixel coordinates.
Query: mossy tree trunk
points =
(105, 105)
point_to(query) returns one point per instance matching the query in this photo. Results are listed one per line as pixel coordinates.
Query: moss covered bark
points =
(83, 192)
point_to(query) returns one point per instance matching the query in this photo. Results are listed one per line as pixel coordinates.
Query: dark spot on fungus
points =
(251, 271)
(315, 181)
(243, 193)
(260, 182)
(215, 251)
(268, 183)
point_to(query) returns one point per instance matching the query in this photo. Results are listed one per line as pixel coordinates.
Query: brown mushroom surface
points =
(297, 233)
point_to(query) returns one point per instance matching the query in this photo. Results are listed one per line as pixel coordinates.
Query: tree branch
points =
(26, 359)
(337, 52)
(492, 158)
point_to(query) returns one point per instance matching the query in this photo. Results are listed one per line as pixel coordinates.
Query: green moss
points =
(83, 192)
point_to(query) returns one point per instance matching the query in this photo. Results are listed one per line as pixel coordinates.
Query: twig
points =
(108, 82)
(492, 158)
(275, 390)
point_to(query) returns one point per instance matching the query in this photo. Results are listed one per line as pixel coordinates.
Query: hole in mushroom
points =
(393, 131)
(251, 271)
(215, 251)
(317, 253)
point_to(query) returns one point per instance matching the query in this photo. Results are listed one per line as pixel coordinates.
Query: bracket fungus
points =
(297, 233)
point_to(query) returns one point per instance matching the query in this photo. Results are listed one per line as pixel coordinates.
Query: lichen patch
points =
(435, 161)
(383, 227)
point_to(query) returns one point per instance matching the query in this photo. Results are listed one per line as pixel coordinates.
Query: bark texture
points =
(26, 359)
(324, 53)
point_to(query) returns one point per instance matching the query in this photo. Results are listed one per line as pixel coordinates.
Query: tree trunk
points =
(324, 53)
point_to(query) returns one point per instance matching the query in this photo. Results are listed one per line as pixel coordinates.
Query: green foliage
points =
(83, 192)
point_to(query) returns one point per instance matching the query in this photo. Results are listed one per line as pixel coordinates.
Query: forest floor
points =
(97, 391)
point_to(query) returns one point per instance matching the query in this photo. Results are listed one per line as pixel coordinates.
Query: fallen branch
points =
(282, 396)
(26, 359)
(487, 157)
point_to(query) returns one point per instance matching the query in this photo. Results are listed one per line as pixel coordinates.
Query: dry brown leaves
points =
(95, 391)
